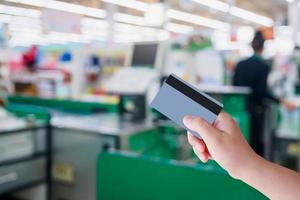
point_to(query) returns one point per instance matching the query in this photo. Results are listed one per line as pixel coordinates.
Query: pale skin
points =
(224, 142)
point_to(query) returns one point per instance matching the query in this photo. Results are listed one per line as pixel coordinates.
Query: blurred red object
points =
(30, 58)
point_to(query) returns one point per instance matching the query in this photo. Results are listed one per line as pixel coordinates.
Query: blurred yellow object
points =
(293, 149)
(63, 172)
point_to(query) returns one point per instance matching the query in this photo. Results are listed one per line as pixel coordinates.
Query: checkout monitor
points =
(144, 54)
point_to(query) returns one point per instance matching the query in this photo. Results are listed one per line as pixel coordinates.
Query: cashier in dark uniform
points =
(253, 72)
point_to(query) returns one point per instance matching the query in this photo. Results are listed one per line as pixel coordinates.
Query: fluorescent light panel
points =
(94, 24)
(218, 5)
(17, 11)
(196, 19)
(137, 5)
(130, 19)
(237, 12)
(174, 14)
(250, 16)
(179, 28)
(64, 6)
(5, 18)
(214, 4)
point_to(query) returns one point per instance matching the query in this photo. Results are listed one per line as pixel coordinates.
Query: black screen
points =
(144, 54)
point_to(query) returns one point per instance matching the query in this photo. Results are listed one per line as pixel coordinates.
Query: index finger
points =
(225, 123)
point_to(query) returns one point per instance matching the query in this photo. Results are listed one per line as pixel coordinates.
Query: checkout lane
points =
(77, 139)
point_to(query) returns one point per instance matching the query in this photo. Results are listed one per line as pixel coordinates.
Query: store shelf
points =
(24, 159)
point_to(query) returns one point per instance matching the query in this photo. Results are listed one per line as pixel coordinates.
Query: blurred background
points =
(77, 76)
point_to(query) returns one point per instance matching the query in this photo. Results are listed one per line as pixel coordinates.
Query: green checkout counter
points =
(128, 176)
(80, 132)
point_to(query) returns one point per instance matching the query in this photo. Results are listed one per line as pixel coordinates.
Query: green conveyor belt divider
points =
(29, 111)
(63, 104)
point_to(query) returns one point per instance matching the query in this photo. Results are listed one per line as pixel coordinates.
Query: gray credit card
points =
(177, 98)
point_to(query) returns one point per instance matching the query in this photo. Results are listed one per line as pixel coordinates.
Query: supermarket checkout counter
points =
(77, 141)
(25, 155)
(148, 178)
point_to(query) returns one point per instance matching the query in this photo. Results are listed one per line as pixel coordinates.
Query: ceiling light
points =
(218, 5)
(5, 18)
(130, 19)
(155, 14)
(64, 6)
(245, 34)
(145, 33)
(95, 12)
(196, 19)
(96, 23)
(237, 12)
(127, 28)
(250, 16)
(24, 12)
(137, 5)
(179, 28)
(290, 1)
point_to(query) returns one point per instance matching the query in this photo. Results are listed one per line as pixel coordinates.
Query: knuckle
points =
(197, 123)
(226, 116)
(218, 141)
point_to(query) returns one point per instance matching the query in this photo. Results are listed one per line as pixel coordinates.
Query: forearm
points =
(272, 180)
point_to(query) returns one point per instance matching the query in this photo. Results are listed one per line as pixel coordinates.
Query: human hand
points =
(222, 141)
(289, 105)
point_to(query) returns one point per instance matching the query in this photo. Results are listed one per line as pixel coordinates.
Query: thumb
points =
(208, 133)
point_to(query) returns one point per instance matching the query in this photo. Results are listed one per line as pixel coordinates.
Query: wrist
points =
(247, 166)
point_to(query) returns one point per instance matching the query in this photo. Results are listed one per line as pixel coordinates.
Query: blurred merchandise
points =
(133, 107)
(290, 124)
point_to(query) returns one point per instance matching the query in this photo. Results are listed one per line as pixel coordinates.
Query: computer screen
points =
(144, 54)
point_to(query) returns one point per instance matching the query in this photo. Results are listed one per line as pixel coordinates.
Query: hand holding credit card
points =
(177, 98)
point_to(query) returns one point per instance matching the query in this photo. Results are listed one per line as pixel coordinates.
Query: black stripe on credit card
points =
(194, 95)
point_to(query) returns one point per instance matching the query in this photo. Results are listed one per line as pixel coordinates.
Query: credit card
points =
(177, 98)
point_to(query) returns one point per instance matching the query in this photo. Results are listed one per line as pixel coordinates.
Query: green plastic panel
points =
(142, 141)
(63, 104)
(153, 143)
(132, 177)
(234, 103)
(29, 111)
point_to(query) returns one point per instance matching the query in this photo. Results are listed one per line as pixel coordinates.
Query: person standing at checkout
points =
(253, 72)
